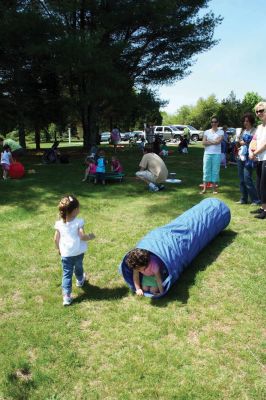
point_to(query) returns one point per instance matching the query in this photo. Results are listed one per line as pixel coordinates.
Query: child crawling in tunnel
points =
(149, 265)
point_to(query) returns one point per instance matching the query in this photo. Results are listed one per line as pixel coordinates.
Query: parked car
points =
(195, 134)
(124, 136)
(105, 137)
(231, 131)
(137, 135)
(168, 132)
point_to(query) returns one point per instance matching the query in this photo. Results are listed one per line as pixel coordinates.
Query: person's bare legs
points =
(145, 288)
(5, 174)
(85, 177)
(214, 188)
(154, 290)
(204, 188)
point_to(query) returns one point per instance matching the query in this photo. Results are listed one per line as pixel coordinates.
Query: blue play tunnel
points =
(179, 242)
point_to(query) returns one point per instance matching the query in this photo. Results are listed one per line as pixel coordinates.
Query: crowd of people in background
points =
(247, 151)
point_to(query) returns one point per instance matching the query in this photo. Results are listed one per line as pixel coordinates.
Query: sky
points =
(237, 62)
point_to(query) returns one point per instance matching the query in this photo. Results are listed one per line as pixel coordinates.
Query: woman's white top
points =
(213, 135)
(5, 157)
(261, 140)
(70, 244)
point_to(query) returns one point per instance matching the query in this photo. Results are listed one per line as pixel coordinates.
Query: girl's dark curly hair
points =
(138, 258)
(66, 205)
(250, 117)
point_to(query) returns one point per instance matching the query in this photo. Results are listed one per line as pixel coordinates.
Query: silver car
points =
(195, 134)
(105, 137)
(168, 132)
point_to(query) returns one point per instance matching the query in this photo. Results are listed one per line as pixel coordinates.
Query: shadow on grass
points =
(51, 181)
(96, 293)
(180, 290)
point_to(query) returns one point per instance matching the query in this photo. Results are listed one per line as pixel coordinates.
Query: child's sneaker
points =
(81, 283)
(153, 187)
(67, 300)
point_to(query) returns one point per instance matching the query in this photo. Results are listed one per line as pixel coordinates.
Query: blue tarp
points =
(179, 242)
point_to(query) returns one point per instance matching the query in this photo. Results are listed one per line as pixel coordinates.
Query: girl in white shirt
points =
(6, 160)
(70, 240)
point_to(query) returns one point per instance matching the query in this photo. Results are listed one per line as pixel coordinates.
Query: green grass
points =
(205, 340)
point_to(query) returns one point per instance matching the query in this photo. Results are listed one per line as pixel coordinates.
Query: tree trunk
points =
(47, 135)
(89, 126)
(85, 126)
(37, 138)
(92, 125)
(21, 135)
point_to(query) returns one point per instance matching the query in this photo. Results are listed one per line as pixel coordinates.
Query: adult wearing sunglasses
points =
(244, 164)
(212, 139)
(259, 152)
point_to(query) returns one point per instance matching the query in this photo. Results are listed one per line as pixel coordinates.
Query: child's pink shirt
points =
(91, 169)
(116, 166)
(153, 267)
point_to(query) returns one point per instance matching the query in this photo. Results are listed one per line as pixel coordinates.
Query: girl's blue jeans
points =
(247, 187)
(71, 265)
(211, 167)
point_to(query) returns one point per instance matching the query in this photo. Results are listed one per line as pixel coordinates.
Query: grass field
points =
(205, 340)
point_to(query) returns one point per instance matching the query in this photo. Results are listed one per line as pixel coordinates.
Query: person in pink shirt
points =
(116, 165)
(91, 168)
(145, 263)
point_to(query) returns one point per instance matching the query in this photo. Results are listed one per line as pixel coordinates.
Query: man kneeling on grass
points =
(153, 170)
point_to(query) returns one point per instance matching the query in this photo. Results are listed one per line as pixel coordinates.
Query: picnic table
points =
(109, 176)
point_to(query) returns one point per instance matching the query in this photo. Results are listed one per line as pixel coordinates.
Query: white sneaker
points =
(67, 300)
(81, 283)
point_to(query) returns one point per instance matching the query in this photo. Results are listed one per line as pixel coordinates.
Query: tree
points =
(203, 111)
(102, 50)
(230, 111)
(249, 101)
(184, 115)
(28, 84)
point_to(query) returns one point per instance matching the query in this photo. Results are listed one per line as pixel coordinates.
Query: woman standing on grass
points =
(244, 164)
(212, 139)
(115, 137)
(259, 152)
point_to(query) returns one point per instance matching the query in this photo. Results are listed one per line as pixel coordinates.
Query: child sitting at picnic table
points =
(91, 168)
(116, 165)
(100, 168)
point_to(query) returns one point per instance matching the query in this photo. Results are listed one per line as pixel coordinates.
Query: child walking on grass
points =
(6, 160)
(70, 240)
(146, 263)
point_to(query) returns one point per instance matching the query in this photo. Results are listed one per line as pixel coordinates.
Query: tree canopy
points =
(84, 58)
